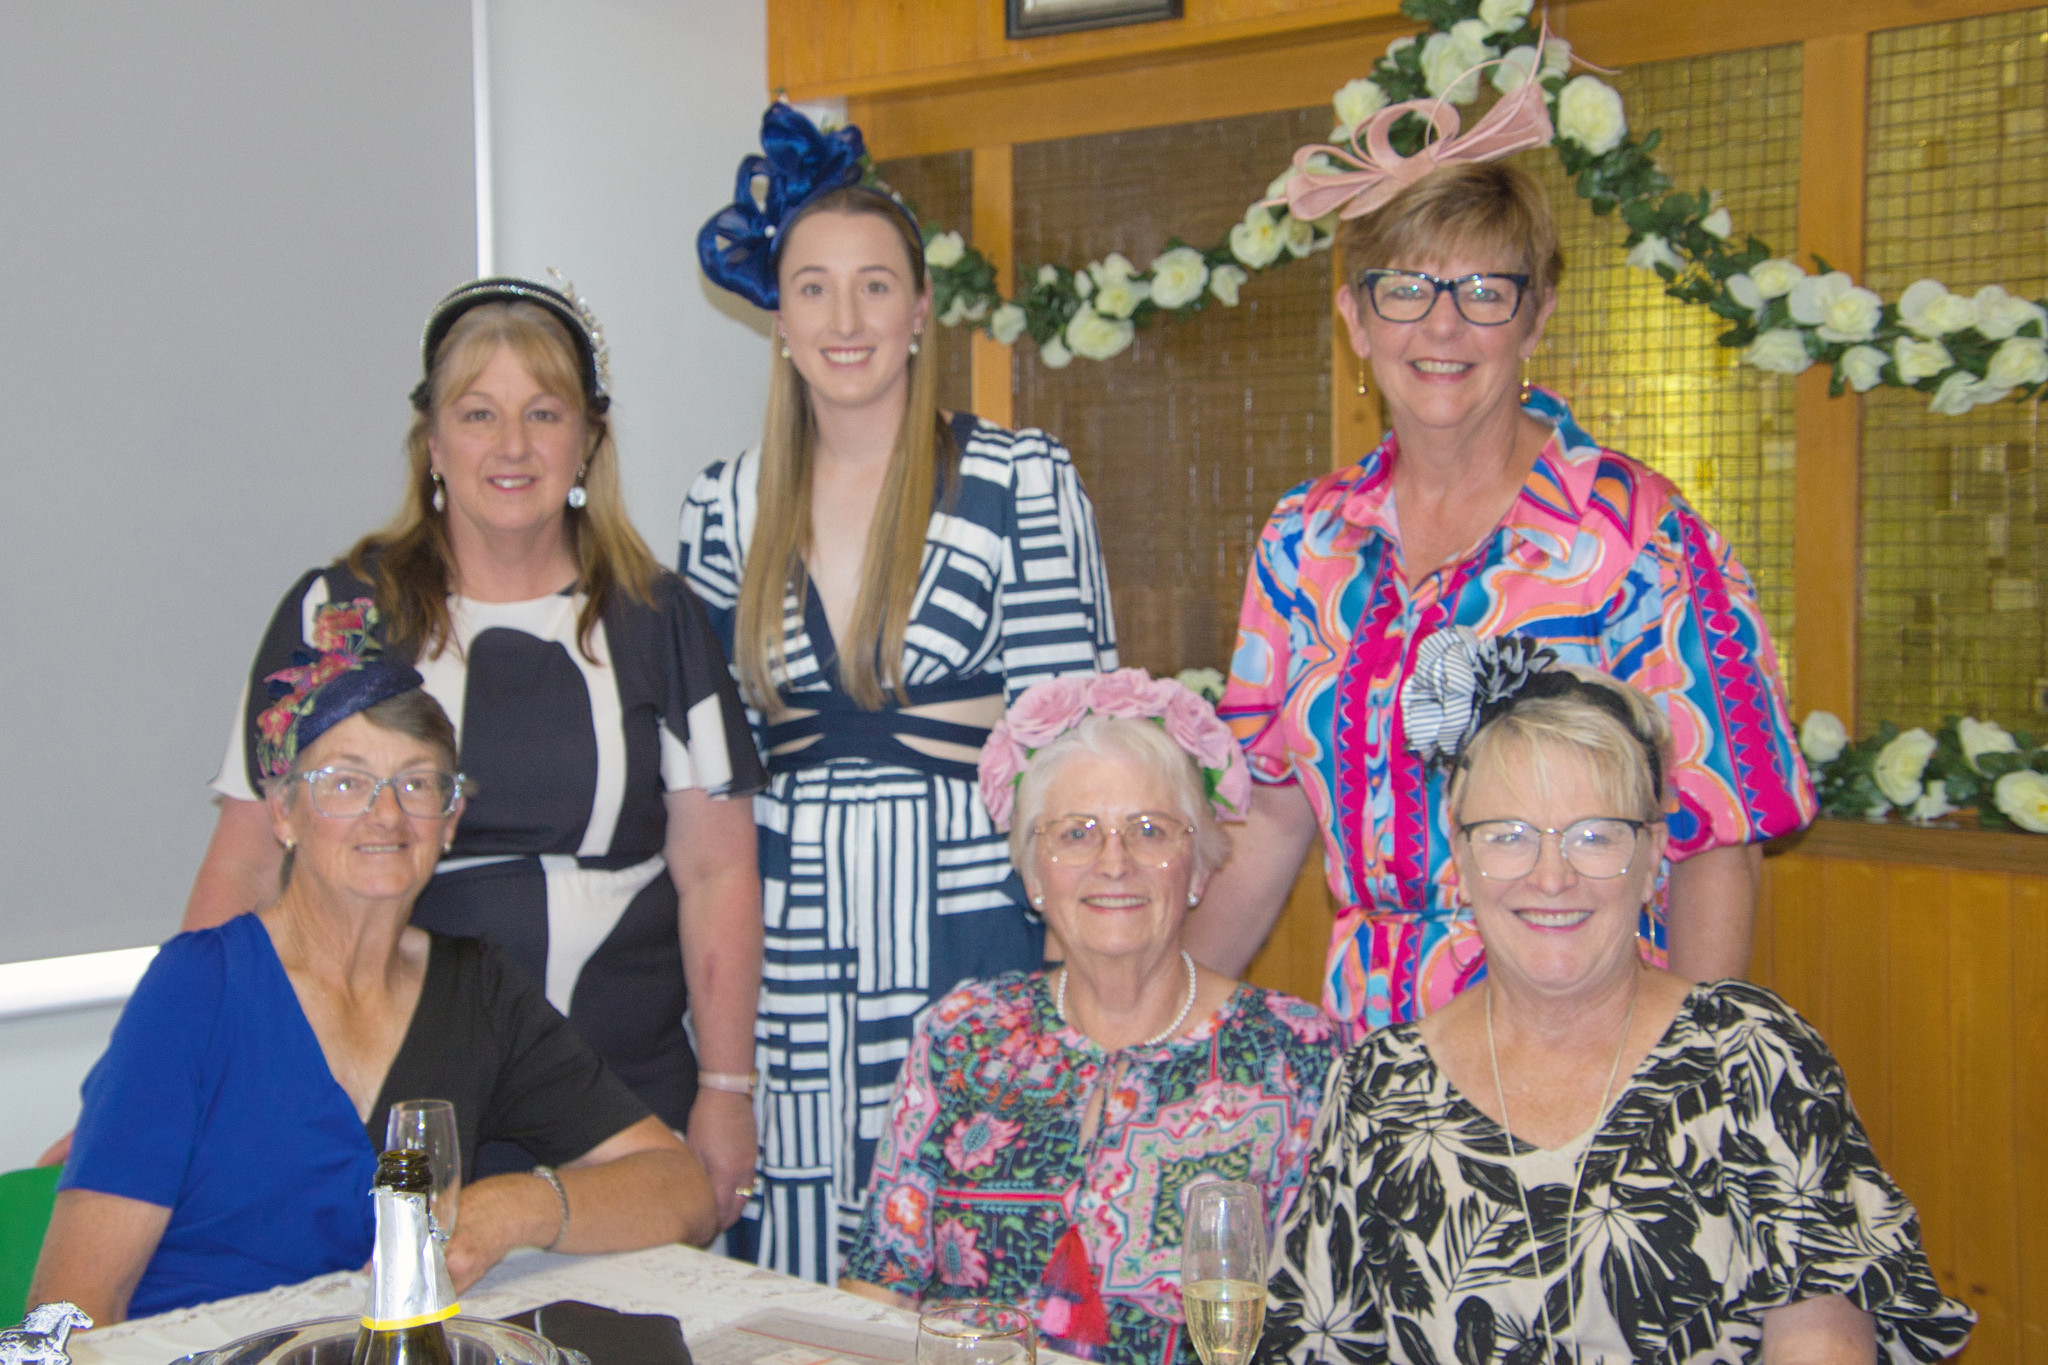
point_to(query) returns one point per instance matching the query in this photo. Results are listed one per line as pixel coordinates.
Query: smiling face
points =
(1553, 930)
(1442, 371)
(507, 450)
(1115, 906)
(382, 855)
(850, 307)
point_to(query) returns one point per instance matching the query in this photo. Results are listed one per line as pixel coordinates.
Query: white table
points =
(700, 1290)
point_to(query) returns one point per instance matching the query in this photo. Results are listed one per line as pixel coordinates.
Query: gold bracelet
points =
(547, 1173)
(731, 1082)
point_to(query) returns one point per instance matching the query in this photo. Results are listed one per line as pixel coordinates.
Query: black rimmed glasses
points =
(345, 793)
(1150, 839)
(1408, 295)
(1506, 850)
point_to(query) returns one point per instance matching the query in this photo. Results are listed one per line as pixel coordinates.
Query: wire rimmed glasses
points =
(1487, 300)
(344, 793)
(1150, 838)
(1506, 850)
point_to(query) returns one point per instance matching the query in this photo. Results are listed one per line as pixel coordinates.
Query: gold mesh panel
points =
(941, 189)
(1641, 370)
(1186, 440)
(1955, 529)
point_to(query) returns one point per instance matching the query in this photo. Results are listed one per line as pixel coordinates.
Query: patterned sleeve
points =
(895, 1249)
(1321, 1307)
(708, 546)
(1801, 1176)
(1685, 629)
(705, 740)
(1054, 592)
(1257, 687)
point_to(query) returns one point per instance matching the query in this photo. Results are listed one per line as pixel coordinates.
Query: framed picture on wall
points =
(1034, 18)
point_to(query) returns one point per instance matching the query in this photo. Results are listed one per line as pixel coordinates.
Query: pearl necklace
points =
(1579, 1176)
(1059, 1004)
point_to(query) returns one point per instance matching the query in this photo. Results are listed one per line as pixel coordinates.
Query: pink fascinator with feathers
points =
(1377, 172)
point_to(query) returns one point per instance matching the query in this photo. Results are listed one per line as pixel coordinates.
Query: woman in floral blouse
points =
(1588, 1158)
(1048, 1124)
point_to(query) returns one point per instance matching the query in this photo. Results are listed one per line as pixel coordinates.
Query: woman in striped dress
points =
(885, 578)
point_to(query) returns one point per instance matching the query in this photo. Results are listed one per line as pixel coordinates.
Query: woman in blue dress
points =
(885, 578)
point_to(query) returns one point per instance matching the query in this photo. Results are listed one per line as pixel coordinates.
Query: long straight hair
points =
(871, 657)
(414, 563)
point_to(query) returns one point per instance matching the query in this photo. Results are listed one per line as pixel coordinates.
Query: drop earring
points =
(783, 344)
(1527, 387)
(1362, 389)
(440, 494)
(915, 338)
(577, 497)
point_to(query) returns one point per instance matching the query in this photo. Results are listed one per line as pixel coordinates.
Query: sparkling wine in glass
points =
(974, 1332)
(1223, 1270)
(429, 1126)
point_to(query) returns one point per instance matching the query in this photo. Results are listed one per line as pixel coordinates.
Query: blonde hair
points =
(871, 656)
(413, 560)
(1525, 742)
(1482, 208)
(1147, 744)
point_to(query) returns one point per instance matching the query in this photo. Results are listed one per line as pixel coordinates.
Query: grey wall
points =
(221, 220)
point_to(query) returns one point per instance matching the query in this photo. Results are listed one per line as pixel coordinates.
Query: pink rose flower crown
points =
(1049, 709)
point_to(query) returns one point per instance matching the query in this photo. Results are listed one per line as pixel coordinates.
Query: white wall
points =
(618, 125)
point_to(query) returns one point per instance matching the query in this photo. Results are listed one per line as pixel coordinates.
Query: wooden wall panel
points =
(2030, 1108)
(1921, 1098)
(1979, 914)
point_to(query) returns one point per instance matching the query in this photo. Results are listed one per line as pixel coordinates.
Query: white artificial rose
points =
(1399, 45)
(944, 249)
(1744, 291)
(1932, 805)
(1358, 101)
(1822, 737)
(1652, 252)
(1115, 266)
(1929, 310)
(1836, 307)
(1055, 355)
(1862, 367)
(1084, 284)
(1918, 360)
(1178, 277)
(1300, 236)
(1899, 765)
(1504, 16)
(1961, 391)
(1782, 350)
(956, 312)
(1048, 274)
(1557, 57)
(1718, 224)
(1206, 683)
(1775, 277)
(1095, 337)
(1980, 737)
(1448, 60)
(1007, 324)
(1224, 282)
(2023, 798)
(1516, 65)
(2000, 315)
(1589, 112)
(2017, 363)
(1117, 292)
(1257, 240)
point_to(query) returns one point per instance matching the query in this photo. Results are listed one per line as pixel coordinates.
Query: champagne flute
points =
(429, 1126)
(1223, 1270)
(974, 1332)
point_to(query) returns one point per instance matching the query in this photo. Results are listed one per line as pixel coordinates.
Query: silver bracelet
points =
(547, 1173)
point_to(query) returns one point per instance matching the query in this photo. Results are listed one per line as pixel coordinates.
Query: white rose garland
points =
(1966, 765)
(1962, 350)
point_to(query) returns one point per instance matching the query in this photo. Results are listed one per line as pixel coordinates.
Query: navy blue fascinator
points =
(344, 672)
(797, 163)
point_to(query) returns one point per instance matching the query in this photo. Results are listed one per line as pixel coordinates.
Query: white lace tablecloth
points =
(700, 1290)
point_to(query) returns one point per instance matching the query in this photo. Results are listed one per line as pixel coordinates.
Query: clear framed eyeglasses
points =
(1150, 838)
(1408, 295)
(1506, 850)
(344, 793)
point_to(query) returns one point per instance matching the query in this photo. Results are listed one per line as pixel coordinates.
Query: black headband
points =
(592, 358)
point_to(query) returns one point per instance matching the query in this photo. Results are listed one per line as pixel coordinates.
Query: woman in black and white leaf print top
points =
(1697, 1181)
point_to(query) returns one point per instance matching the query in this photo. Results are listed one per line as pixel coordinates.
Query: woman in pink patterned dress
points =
(1046, 1124)
(1486, 507)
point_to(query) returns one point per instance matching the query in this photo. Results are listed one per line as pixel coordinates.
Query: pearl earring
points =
(1193, 900)
(1038, 901)
(784, 344)
(915, 338)
(440, 494)
(577, 497)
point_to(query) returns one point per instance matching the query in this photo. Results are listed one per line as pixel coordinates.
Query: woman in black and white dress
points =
(603, 846)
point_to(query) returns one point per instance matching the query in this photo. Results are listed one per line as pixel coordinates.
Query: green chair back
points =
(26, 1198)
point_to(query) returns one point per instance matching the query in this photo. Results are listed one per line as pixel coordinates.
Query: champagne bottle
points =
(410, 1294)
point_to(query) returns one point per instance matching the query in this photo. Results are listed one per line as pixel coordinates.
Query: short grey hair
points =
(1146, 743)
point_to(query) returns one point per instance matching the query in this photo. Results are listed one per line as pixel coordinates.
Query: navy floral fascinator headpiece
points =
(1462, 683)
(796, 164)
(344, 672)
